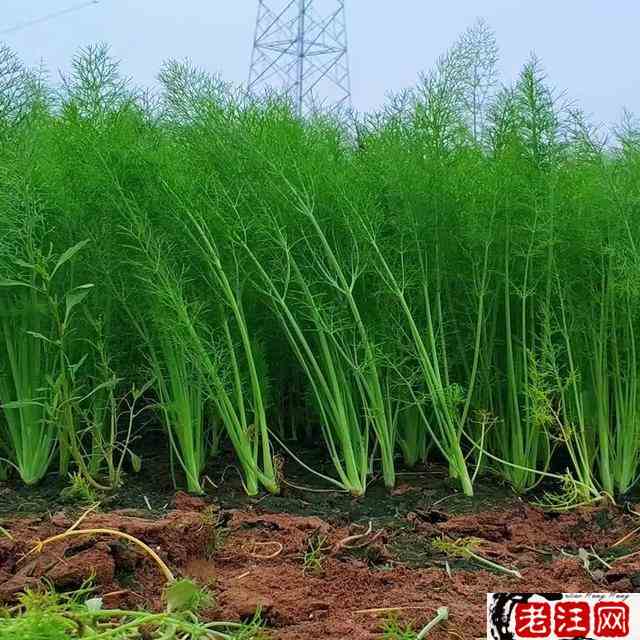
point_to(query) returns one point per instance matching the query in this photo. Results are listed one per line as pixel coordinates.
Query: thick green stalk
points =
(449, 433)
(324, 368)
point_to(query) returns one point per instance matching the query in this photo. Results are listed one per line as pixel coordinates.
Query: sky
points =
(589, 48)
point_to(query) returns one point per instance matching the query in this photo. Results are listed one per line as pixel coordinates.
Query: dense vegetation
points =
(454, 278)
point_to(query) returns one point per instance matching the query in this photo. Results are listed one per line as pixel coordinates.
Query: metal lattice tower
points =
(300, 46)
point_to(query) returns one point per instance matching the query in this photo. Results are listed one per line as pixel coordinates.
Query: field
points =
(294, 558)
(340, 377)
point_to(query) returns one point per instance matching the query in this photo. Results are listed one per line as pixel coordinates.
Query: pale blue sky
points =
(588, 47)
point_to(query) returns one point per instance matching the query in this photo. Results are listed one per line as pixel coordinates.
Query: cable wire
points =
(49, 16)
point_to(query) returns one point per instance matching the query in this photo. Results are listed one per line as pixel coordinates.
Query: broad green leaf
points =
(182, 595)
(136, 462)
(68, 254)
(74, 298)
(74, 367)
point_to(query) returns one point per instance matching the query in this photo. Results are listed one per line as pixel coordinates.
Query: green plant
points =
(30, 440)
(450, 408)
(419, 289)
(181, 400)
(53, 616)
(314, 556)
(40, 412)
(393, 629)
(78, 491)
(216, 533)
(465, 548)
(102, 417)
(334, 349)
(218, 367)
(412, 436)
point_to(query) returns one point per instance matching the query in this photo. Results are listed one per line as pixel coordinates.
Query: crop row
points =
(454, 278)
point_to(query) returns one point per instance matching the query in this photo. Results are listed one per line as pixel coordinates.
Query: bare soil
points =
(252, 556)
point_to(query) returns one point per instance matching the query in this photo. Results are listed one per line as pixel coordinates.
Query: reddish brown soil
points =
(250, 559)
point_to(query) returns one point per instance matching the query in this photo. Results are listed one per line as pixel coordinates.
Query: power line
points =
(49, 16)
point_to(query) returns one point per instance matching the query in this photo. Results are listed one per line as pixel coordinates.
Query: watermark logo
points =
(563, 616)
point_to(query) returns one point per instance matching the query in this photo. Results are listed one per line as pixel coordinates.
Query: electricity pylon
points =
(300, 47)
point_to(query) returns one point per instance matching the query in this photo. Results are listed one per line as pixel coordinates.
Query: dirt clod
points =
(185, 502)
(95, 562)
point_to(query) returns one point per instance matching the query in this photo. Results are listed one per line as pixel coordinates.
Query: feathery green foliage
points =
(454, 278)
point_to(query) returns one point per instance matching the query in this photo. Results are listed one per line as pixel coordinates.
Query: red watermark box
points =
(563, 616)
